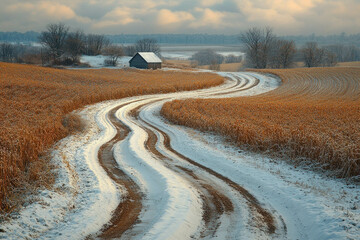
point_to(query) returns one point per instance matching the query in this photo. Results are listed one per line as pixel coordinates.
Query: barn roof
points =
(150, 57)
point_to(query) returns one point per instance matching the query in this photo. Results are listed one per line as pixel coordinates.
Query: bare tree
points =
(342, 53)
(147, 45)
(30, 55)
(7, 52)
(113, 53)
(214, 65)
(75, 45)
(267, 42)
(95, 44)
(339, 50)
(54, 39)
(233, 59)
(207, 57)
(258, 43)
(20, 53)
(252, 40)
(352, 54)
(45, 56)
(282, 54)
(330, 59)
(129, 50)
(313, 55)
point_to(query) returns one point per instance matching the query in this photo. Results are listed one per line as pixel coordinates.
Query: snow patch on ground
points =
(312, 206)
(83, 197)
(172, 206)
(98, 61)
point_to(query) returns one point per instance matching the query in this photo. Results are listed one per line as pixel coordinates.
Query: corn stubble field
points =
(35, 103)
(314, 115)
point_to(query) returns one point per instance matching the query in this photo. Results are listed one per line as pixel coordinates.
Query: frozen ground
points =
(184, 52)
(195, 186)
(98, 61)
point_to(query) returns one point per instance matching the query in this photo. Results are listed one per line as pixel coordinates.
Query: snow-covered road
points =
(133, 175)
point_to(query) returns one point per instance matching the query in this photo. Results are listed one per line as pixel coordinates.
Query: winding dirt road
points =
(133, 175)
(201, 202)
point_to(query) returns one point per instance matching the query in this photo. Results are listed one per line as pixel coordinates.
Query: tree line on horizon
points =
(266, 50)
(196, 39)
(60, 46)
(263, 49)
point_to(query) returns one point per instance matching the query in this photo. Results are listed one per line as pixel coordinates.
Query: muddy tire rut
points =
(264, 218)
(209, 184)
(127, 212)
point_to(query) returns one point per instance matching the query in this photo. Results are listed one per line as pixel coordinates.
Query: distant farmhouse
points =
(145, 60)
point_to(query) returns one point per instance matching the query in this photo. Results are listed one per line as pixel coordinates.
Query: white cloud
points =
(166, 17)
(115, 18)
(61, 12)
(43, 9)
(206, 16)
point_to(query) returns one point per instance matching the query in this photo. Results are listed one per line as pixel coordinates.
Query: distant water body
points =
(184, 52)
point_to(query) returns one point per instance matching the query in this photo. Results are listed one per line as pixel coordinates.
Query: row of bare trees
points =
(59, 46)
(344, 53)
(315, 56)
(265, 50)
(62, 45)
(213, 59)
(207, 57)
(142, 45)
(10, 52)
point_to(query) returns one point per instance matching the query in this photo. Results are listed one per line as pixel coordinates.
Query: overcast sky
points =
(286, 17)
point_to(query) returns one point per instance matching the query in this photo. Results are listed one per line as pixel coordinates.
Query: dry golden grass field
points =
(339, 64)
(186, 64)
(226, 67)
(182, 64)
(314, 115)
(35, 103)
(348, 64)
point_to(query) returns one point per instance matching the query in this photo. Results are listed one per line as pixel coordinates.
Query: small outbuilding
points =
(145, 60)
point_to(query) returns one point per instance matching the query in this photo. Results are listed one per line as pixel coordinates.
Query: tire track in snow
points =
(179, 199)
(131, 188)
(266, 217)
(215, 203)
(245, 86)
(128, 210)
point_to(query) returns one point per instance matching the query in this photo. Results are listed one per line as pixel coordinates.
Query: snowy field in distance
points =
(98, 61)
(178, 52)
(184, 52)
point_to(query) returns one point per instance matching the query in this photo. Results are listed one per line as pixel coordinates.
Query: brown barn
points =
(145, 60)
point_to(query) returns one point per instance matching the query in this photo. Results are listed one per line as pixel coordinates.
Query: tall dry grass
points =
(35, 102)
(314, 115)
(226, 67)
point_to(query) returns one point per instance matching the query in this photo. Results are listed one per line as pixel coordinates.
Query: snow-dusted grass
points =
(314, 116)
(98, 61)
(35, 103)
(171, 205)
(310, 205)
(83, 197)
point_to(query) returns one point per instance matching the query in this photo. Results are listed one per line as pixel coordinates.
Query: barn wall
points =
(138, 62)
(154, 65)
